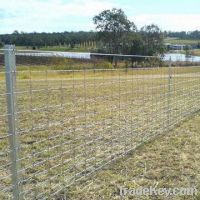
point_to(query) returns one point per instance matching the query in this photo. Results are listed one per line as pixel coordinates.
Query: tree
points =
(1, 44)
(47, 39)
(153, 40)
(113, 28)
(16, 32)
(133, 46)
(187, 51)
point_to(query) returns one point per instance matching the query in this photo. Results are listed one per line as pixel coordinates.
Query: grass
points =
(181, 41)
(71, 123)
(40, 71)
(196, 52)
(170, 161)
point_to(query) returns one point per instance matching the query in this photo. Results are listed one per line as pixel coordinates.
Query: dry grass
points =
(39, 72)
(71, 123)
(196, 52)
(170, 161)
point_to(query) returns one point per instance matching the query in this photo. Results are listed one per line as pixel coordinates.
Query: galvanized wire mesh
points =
(72, 117)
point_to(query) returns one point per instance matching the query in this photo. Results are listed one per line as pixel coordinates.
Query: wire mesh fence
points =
(62, 118)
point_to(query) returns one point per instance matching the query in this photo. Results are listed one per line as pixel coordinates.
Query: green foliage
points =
(1, 44)
(133, 44)
(38, 40)
(119, 35)
(187, 51)
(103, 65)
(153, 40)
(195, 35)
(113, 28)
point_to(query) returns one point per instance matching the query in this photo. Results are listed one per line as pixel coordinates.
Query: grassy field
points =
(41, 71)
(196, 52)
(71, 123)
(181, 41)
(170, 161)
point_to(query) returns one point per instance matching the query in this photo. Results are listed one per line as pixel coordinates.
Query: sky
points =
(76, 15)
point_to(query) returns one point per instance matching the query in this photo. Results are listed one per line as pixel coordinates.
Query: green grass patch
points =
(181, 41)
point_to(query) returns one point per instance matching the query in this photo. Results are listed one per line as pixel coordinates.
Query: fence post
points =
(169, 93)
(10, 66)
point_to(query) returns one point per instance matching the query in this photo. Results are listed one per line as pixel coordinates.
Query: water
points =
(180, 57)
(174, 56)
(56, 54)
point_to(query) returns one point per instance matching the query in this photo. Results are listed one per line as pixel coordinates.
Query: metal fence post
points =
(169, 93)
(10, 66)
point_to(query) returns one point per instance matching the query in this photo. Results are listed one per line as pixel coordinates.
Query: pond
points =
(180, 57)
(174, 56)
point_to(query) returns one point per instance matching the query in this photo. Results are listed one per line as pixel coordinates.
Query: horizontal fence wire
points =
(75, 116)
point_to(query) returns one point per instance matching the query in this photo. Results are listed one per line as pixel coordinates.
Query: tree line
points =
(38, 40)
(194, 35)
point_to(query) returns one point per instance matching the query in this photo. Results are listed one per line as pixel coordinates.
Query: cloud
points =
(175, 22)
(56, 8)
(67, 15)
(49, 15)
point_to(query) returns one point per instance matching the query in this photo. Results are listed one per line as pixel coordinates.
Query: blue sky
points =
(75, 15)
